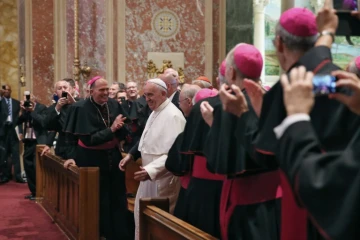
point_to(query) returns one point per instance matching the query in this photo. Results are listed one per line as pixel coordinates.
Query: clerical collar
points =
(97, 104)
(162, 106)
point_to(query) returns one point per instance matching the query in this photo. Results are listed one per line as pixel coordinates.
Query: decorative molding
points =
(222, 30)
(60, 48)
(121, 24)
(209, 39)
(109, 41)
(259, 5)
(28, 44)
(165, 24)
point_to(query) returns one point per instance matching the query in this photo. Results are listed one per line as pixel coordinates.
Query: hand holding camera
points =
(27, 105)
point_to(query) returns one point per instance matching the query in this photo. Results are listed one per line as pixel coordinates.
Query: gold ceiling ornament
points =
(153, 71)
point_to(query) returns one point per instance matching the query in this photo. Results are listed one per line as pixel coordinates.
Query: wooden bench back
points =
(157, 224)
(69, 196)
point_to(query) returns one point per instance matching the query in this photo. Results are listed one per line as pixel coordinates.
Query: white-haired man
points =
(172, 87)
(163, 126)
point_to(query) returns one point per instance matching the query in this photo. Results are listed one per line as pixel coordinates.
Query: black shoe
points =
(4, 180)
(33, 198)
(29, 196)
(21, 181)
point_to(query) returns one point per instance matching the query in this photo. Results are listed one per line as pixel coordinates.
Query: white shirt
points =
(172, 96)
(288, 121)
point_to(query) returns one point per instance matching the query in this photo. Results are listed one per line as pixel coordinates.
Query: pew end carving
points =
(69, 196)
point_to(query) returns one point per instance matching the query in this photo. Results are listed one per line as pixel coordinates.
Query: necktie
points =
(9, 107)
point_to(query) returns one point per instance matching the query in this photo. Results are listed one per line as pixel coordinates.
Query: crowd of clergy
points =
(241, 161)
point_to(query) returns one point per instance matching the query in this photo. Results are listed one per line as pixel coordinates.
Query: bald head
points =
(99, 91)
(171, 82)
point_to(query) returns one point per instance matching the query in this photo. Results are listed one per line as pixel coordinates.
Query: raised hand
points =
(233, 103)
(298, 91)
(118, 123)
(256, 94)
(207, 112)
(351, 81)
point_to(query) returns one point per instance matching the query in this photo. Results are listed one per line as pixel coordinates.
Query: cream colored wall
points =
(9, 37)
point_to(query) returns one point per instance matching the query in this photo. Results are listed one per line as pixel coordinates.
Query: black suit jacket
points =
(4, 114)
(36, 118)
(327, 183)
(175, 100)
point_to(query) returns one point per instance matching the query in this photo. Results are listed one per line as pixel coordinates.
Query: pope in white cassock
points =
(165, 123)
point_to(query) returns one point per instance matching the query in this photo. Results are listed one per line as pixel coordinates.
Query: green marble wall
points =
(239, 22)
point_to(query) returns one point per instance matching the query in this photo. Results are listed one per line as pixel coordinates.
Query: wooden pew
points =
(131, 184)
(157, 224)
(69, 196)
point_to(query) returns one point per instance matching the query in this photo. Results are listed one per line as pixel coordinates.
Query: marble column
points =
(317, 4)
(259, 29)
(239, 22)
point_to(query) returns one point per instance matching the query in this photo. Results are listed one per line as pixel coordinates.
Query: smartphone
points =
(27, 95)
(64, 94)
(3, 87)
(324, 84)
(122, 99)
(346, 5)
(55, 97)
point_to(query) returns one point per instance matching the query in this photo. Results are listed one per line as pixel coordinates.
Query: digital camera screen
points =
(346, 5)
(324, 84)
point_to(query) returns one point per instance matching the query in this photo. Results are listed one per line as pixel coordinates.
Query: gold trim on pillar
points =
(110, 41)
(121, 23)
(209, 38)
(76, 43)
(28, 45)
(60, 49)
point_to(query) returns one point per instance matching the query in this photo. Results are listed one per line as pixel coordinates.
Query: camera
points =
(27, 99)
(3, 87)
(64, 94)
(324, 84)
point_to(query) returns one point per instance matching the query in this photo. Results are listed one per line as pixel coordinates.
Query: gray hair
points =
(190, 91)
(353, 69)
(295, 43)
(202, 83)
(222, 79)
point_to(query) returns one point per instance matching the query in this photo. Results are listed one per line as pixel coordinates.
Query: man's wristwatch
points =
(324, 33)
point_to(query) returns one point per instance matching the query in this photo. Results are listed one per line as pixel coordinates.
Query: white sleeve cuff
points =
(288, 121)
(58, 112)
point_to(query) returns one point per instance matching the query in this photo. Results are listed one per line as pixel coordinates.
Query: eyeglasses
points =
(183, 100)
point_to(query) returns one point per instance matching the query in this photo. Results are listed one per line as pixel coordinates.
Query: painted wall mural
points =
(342, 52)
